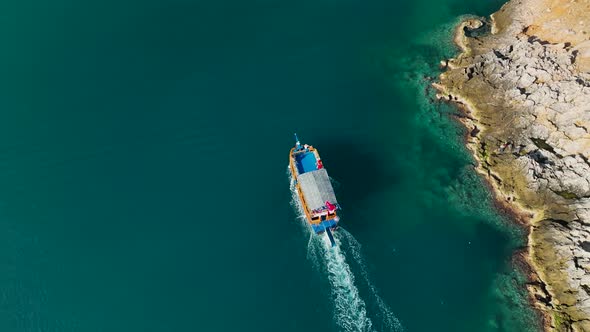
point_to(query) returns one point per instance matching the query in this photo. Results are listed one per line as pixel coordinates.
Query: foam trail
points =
(350, 312)
(389, 320)
(349, 309)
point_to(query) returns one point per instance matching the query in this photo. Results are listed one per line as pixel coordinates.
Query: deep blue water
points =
(143, 170)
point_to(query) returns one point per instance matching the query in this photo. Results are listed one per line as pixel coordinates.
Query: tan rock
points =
(527, 87)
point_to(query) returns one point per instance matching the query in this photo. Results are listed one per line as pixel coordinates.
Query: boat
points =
(314, 189)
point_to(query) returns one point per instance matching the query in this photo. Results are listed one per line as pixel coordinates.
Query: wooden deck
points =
(295, 173)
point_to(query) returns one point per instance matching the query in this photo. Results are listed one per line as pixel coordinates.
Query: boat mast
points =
(297, 144)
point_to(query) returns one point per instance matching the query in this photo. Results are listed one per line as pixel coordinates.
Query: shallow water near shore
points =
(143, 148)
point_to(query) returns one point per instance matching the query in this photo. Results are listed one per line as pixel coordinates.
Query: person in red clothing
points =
(331, 207)
(320, 165)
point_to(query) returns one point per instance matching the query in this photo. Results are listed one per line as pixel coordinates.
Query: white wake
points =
(350, 311)
(386, 317)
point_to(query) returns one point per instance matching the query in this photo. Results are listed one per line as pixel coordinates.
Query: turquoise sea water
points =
(143, 170)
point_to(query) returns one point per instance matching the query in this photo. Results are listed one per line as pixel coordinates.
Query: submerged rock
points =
(526, 87)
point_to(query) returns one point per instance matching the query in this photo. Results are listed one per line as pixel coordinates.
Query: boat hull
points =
(313, 186)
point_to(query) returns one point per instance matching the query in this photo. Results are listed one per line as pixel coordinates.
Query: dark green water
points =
(143, 186)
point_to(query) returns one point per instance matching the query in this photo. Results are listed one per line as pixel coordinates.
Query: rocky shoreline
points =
(523, 81)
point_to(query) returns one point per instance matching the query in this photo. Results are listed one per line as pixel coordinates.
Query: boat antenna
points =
(297, 144)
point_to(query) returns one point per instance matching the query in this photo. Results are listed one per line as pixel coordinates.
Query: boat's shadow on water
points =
(358, 172)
